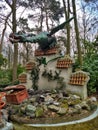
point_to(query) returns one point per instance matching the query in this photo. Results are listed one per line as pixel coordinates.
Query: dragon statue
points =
(46, 40)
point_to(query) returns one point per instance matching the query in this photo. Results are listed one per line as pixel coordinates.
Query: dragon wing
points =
(59, 27)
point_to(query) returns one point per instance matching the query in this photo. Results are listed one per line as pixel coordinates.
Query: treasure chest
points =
(16, 94)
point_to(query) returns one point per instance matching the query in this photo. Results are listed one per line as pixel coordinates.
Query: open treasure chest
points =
(16, 94)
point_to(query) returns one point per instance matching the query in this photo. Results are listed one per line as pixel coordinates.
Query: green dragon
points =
(46, 40)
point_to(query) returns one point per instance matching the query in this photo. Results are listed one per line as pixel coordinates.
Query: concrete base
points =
(79, 90)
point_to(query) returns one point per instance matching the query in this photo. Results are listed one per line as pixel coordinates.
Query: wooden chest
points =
(17, 95)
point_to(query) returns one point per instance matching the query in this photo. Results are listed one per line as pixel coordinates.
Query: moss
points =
(64, 105)
(74, 102)
(39, 112)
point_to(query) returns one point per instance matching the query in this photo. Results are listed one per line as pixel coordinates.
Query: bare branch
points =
(7, 1)
(3, 32)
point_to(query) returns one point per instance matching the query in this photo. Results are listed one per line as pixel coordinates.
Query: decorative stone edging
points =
(92, 116)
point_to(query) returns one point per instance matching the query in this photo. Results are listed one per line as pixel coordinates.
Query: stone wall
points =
(56, 73)
(77, 84)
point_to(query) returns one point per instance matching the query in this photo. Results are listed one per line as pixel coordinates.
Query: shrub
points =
(90, 65)
(20, 69)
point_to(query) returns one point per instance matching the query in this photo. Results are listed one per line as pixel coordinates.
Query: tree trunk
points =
(77, 33)
(46, 15)
(47, 21)
(9, 57)
(15, 60)
(68, 30)
(67, 15)
(41, 20)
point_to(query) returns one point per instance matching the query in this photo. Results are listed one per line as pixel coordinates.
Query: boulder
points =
(48, 99)
(62, 111)
(84, 105)
(74, 97)
(93, 99)
(30, 108)
(53, 108)
(32, 100)
(73, 102)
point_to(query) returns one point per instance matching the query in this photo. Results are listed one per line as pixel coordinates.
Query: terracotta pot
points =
(2, 104)
(2, 94)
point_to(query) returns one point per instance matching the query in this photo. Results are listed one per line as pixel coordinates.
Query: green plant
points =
(90, 65)
(4, 81)
(76, 65)
(6, 76)
(20, 69)
(3, 61)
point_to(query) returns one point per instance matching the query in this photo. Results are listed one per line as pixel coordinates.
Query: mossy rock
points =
(93, 106)
(64, 105)
(39, 112)
(30, 108)
(62, 111)
(53, 108)
(23, 109)
(74, 102)
(63, 101)
(15, 109)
